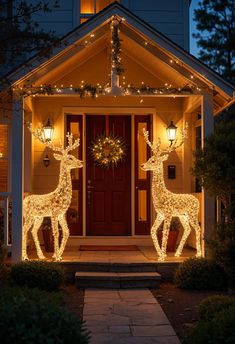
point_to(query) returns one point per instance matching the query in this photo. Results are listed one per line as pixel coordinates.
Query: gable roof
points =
(148, 40)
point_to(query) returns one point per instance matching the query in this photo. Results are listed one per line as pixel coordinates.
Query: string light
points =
(54, 204)
(168, 204)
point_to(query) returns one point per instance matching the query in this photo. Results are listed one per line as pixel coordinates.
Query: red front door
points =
(108, 190)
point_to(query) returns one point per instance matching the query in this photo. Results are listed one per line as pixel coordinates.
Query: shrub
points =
(219, 329)
(38, 274)
(32, 316)
(222, 248)
(199, 273)
(31, 294)
(212, 305)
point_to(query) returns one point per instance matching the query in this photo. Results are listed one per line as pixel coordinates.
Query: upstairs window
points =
(91, 7)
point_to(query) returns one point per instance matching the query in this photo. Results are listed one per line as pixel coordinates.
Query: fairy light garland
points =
(94, 91)
(168, 204)
(54, 204)
(116, 47)
(107, 151)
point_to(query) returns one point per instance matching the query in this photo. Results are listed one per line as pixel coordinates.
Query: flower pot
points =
(171, 242)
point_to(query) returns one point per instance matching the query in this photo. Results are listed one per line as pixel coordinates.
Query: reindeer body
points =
(53, 205)
(168, 204)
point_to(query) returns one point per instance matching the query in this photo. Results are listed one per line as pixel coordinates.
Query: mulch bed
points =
(181, 305)
(74, 300)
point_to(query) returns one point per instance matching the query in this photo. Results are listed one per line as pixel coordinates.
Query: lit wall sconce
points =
(171, 132)
(48, 131)
(46, 161)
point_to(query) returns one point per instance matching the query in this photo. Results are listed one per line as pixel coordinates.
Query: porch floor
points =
(144, 254)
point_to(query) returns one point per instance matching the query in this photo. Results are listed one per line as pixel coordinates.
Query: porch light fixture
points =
(47, 131)
(46, 161)
(171, 132)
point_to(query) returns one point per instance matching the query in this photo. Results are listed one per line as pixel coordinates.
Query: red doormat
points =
(108, 248)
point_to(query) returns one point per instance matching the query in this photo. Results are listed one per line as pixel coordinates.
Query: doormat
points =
(108, 248)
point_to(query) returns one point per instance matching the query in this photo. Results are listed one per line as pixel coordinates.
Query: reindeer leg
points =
(55, 231)
(36, 226)
(154, 230)
(194, 223)
(65, 231)
(165, 233)
(27, 225)
(187, 229)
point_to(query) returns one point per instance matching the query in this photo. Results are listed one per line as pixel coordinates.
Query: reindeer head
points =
(68, 160)
(160, 155)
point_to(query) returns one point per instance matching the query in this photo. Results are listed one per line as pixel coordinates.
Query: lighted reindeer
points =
(168, 204)
(53, 204)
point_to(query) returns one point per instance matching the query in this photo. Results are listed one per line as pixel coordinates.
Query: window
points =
(3, 158)
(90, 7)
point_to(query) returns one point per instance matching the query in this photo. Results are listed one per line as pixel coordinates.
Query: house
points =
(116, 75)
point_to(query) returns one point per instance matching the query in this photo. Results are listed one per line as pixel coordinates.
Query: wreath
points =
(108, 150)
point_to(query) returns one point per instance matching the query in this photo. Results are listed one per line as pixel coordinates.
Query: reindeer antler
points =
(71, 145)
(155, 146)
(38, 134)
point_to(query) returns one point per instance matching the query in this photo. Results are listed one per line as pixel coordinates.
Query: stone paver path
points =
(126, 317)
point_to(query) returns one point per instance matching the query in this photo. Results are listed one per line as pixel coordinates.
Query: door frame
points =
(132, 111)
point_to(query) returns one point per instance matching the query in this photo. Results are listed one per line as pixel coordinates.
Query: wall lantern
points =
(48, 131)
(46, 161)
(171, 132)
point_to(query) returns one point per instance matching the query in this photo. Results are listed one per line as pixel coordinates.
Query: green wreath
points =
(107, 151)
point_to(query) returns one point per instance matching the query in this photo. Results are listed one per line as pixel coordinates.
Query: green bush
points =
(218, 330)
(34, 316)
(199, 273)
(8, 291)
(38, 274)
(222, 248)
(212, 305)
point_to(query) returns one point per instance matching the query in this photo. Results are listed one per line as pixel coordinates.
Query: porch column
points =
(208, 202)
(17, 178)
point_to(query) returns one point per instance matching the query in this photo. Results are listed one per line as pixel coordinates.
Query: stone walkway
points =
(126, 317)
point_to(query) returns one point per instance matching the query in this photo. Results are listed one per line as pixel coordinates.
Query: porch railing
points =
(5, 217)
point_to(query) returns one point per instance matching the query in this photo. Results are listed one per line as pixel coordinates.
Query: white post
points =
(208, 203)
(17, 180)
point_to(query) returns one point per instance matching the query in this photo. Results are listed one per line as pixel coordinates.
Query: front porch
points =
(88, 102)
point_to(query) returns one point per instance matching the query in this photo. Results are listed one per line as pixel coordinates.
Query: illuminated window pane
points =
(3, 141)
(3, 175)
(75, 130)
(87, 6)
(142, 150)
(142, 205)
(100, 4)
(3, 157)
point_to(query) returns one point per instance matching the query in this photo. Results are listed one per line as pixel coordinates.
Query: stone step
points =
(111, 267)
(120, 280)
